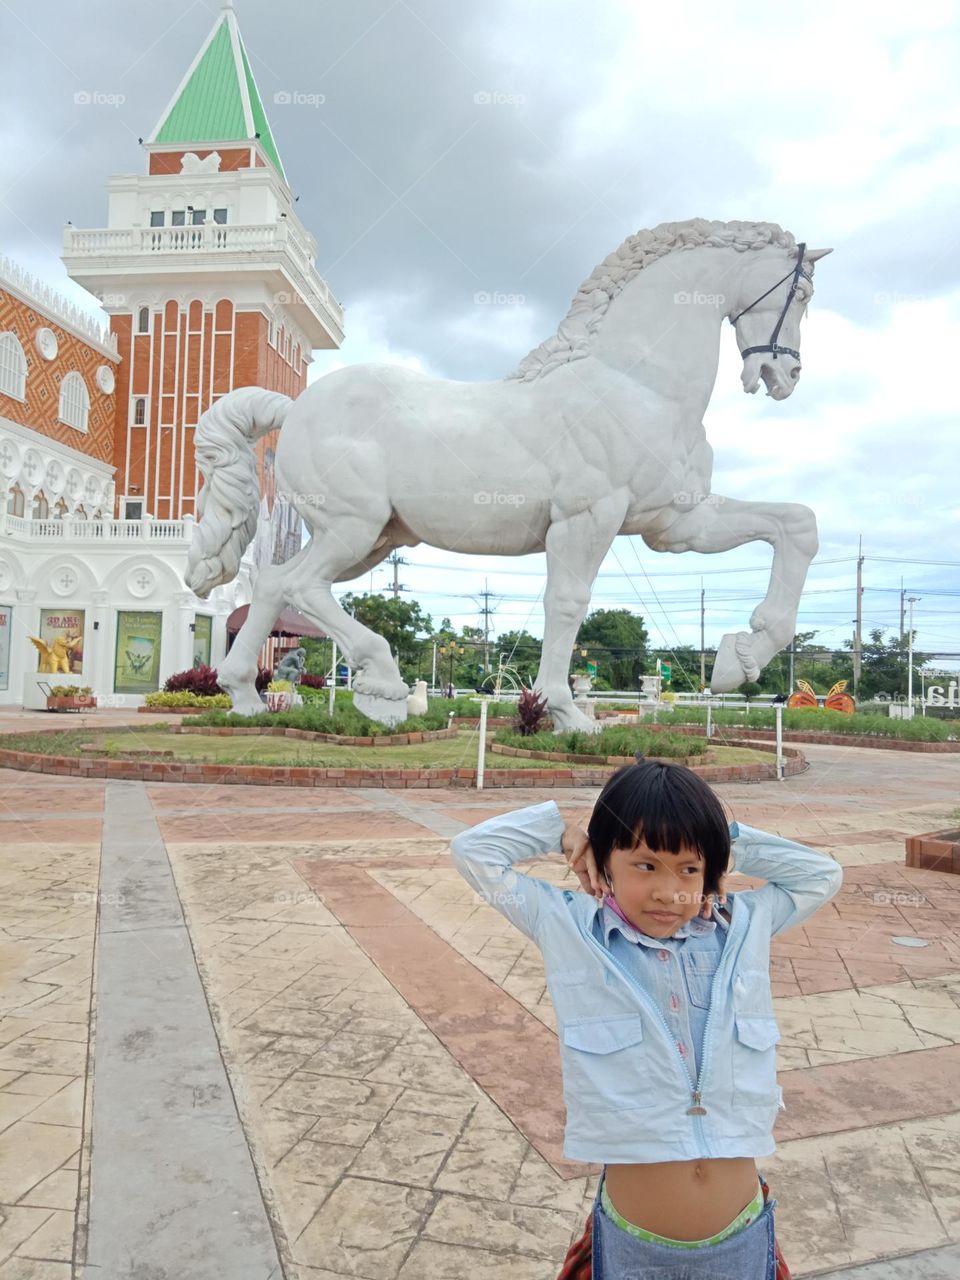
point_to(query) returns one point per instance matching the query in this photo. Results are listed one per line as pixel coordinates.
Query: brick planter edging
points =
(568, 757)
(281, 731)
(742, 732)
(794, 762)
(935, 851)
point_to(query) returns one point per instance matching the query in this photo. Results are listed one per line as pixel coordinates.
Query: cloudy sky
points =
(841, 123)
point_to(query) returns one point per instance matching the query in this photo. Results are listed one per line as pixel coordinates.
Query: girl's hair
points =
(668, 807)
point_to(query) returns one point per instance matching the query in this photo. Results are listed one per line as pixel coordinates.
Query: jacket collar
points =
(611, 920)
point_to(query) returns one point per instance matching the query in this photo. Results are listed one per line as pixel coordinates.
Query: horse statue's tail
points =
(229, 502)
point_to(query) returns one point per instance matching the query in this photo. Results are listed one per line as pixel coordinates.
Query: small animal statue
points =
(55, 658)
(417, 701)
(292, 666)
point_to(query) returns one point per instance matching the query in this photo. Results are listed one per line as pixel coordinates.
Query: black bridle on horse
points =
(773, 346)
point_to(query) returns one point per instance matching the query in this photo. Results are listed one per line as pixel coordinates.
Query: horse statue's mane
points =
(593, 298)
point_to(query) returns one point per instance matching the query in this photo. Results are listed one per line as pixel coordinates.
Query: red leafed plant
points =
(264, 676)
(531, 712)
(313, 682)
(197, 680)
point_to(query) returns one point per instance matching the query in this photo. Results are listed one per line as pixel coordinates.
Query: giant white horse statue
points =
(598, 432)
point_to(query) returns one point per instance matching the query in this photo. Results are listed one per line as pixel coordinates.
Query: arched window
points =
(60, 509)
(98, 514)
(139, 412)
(143, 320)
(74, 401)
(13, 367)
(41, 508)
(80, 513)
(15, 501)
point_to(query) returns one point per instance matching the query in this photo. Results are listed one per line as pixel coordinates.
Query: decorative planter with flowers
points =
(65, 697)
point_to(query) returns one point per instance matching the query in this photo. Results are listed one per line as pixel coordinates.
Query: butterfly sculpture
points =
(835, 700)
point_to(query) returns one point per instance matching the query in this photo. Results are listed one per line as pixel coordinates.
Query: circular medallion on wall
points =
(105, 380)
(64, 580)
(92, 491)
(9, 459)
(47, 345)
(53, 478)
(141, 582)
(32, 467)
(6, 576)
(74, 484)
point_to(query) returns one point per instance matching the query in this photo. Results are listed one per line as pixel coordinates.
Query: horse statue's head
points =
(774, 289)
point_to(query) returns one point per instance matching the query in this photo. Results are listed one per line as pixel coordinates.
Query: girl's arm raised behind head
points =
(799, 880)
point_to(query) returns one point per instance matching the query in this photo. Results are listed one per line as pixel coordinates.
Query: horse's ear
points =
(813, 255)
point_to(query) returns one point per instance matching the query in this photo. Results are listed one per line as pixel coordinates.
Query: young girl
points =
(664, 1012)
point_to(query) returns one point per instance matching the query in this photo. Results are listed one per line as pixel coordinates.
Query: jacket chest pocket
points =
(754, 1043)
(699, 969)
(605, 1064)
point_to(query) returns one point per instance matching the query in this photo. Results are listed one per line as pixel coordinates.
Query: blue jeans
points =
(748, 1255)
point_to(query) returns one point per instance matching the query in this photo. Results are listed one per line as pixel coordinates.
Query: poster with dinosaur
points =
(137, 663)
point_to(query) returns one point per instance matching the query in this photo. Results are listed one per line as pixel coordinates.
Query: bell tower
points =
(208, 277)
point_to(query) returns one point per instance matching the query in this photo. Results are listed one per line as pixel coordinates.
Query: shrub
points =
(184, 698)
(308, 681)
(531, 711)
(200, 680)
(345, 720)
(618, 740)
(264, 676)
(279, 686)
(69, 691)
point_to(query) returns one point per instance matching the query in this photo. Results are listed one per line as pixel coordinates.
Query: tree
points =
(616, 640)
(684, 663)
(883, 664)
(521, 650)
(402, 624)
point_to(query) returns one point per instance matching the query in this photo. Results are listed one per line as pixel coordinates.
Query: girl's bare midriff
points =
(683, 1199)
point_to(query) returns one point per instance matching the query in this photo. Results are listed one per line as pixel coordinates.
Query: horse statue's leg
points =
(716, 523)
(575, 548)
(378, 689)
(237, 673)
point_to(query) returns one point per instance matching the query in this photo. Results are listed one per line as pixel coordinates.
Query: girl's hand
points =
(721, 897)
(576, 848)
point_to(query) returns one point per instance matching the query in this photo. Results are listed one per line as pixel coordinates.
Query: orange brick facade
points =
(230, 158)
(41, 409)
(191, 355)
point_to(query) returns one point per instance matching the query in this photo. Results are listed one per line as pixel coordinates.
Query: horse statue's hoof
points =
(728, 673)
(388, 711)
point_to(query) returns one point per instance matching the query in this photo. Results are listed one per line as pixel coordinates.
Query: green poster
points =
(137, 663)
(202, 639)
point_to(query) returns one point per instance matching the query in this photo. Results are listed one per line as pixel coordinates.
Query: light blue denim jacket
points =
(628, 1090)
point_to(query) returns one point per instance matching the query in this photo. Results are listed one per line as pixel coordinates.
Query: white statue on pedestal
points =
(598, 432)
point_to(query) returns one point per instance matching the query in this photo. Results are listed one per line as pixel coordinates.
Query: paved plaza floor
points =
(252, 1032)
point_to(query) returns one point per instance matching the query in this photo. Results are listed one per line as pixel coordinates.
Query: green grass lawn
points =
(459, 752)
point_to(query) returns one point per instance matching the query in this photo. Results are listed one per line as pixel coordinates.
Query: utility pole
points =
(902, 594)
(703, 653)
(486, 613)
(793, 648)
(397, 560)
(859, 621)
(911, 600)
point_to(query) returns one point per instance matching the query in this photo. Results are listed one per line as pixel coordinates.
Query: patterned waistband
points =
(743, 1219)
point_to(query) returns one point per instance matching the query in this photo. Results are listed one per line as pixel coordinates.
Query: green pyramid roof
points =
(218, 99)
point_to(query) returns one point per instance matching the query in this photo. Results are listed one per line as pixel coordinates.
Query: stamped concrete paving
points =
(349, 969)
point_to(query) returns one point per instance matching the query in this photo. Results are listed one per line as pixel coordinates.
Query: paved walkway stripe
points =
(173, 1191)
